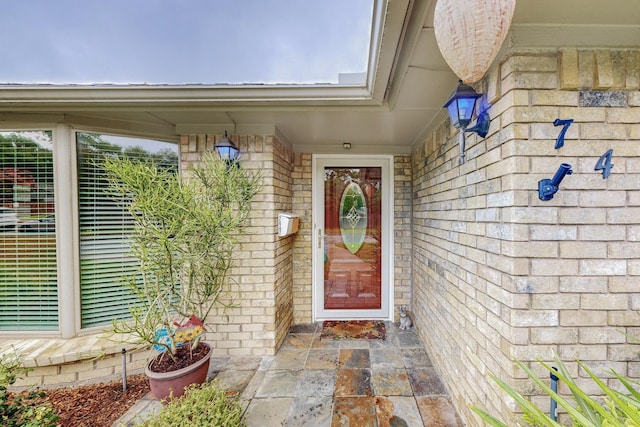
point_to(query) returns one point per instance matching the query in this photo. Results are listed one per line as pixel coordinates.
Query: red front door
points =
(352, 238)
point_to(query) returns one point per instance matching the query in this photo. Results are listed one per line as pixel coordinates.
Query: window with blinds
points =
(28, 273)
(105, 226)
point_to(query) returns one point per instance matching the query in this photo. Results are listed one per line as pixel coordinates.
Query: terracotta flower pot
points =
(163, 383)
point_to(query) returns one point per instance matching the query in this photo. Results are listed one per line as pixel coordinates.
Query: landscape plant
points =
(208, 405)
(613, 409)
(185, 232)
(21, 409)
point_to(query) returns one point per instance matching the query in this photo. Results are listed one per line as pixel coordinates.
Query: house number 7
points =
(565, 125)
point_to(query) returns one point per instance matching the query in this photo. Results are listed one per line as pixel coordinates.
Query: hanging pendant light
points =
(470, 33)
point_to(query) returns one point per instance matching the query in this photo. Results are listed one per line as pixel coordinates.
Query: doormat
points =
(353, 330)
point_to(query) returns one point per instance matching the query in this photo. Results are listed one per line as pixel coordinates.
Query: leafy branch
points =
(185, 233)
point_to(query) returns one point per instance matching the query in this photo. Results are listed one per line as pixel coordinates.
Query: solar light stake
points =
(554, 405)
(124, 369)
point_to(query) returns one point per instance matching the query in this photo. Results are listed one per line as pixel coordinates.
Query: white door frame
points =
(319, 162)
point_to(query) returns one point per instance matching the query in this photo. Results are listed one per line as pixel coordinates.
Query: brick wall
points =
(102, 369)
(500, 274)
(302, 272)
(403, 204)
(263, 313)
(282, 190)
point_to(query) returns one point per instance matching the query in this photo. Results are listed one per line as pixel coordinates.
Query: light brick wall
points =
(263, 313)
(103, 369)
(302, 270)
(283, 191)
(403, 205)
(498, 273)
(56, 362)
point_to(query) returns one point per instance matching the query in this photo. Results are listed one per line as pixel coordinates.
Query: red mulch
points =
(96, 405)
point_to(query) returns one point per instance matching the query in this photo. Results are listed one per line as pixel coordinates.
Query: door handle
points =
(319, 238)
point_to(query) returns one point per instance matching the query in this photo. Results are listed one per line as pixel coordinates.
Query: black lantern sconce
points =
(461, 105)
(227, 151)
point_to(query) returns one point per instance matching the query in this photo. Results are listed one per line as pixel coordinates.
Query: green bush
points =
(200, 406)
(186, 230)
(616, 409)
(21, 410)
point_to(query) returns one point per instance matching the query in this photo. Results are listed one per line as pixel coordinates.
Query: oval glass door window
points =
(353, 217)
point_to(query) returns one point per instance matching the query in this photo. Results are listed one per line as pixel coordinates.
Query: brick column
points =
(263, 269)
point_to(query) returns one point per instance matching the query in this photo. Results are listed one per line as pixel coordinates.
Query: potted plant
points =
(184, 234)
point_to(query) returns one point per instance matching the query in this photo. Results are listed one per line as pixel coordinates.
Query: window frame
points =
(53, 128)
(67, 210)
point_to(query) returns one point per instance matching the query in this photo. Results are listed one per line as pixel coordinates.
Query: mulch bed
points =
(353, 330)
(96, 405)
(100, 405)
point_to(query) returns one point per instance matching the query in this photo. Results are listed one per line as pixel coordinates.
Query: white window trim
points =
(66, 198)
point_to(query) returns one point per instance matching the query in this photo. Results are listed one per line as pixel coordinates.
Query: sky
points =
(183, 41)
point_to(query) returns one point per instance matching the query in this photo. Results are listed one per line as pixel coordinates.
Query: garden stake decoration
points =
(191, 331)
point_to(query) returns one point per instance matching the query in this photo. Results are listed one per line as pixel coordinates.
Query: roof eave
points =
(53, 96)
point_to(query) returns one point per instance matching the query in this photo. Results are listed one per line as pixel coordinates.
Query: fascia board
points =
(175, 96)
(386, 34)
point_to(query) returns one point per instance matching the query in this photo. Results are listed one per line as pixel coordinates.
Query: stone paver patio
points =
(319, 383)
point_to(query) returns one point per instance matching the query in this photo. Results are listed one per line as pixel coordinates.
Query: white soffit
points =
(426, 96)
(427, 54)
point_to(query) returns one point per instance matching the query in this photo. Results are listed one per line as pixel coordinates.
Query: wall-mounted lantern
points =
(227, 151)
(461, 106)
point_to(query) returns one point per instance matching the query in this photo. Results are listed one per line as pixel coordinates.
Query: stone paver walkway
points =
(320, 383)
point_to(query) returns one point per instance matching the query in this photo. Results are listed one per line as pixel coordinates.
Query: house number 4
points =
(604, 164)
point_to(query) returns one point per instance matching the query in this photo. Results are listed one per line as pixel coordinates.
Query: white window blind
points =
(28, 274)
(105, 226)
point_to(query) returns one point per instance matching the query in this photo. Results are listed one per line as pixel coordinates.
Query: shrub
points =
(185, 235)
(616, 409)
(201, 406)
(23, 409)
